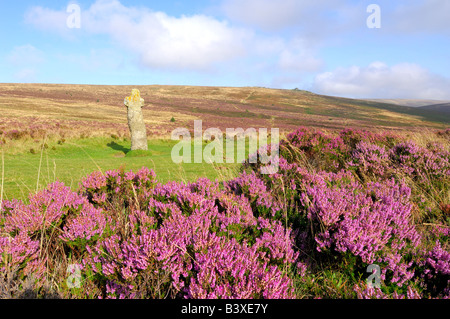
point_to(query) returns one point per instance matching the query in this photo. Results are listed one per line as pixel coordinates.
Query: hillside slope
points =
(442, 108)
(409, 102)
(93, 109)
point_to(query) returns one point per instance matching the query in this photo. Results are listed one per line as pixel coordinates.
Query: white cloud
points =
(196, 42)
(378, 80)
(313, 17)
(426, 16)
(267, 14)
(160, 41)
(298, 56)
(48, 20)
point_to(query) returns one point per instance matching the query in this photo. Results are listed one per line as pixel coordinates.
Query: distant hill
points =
(410, 102)
(435, 114)
(432, 109)
(441, 108)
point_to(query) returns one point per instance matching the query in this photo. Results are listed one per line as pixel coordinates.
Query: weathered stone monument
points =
(134, 103)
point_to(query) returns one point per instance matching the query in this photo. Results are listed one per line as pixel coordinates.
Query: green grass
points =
(25, 172)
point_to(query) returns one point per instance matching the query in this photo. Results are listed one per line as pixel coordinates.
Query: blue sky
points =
(324, 46)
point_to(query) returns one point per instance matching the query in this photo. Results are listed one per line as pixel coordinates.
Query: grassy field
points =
(31, 166)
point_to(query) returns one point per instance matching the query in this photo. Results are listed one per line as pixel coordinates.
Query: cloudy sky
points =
(335, 47)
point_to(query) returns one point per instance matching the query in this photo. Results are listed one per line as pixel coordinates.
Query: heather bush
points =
(322, 150)
(205, 240)
(15, 134)
(429, 165)
(369, 160)
(352, 137)
(427, 170)
(372, 223)
(367, 211)
(259, 196)
(31, 234)
(117, 187)
(136, 238)
(433, 267)
(40, 239)
(334, 216)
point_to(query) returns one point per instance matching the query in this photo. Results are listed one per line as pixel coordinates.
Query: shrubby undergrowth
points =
(338, 203)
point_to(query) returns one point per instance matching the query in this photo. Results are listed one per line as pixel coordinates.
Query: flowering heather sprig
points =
(117, 291)
(370, 158)
(406, 155)
(205, 187)
(229, 270)
(352, 137)
(439, 259)
(436, 161)
(123, 259)
(88, 226)
(256, 191)
(423, 162)
(329, 149)
(102, 188)
(226, 270)
(305, 138)
(368, 292)
(276, 241)
(141, 221)
(236, 217)
(95, 181)
(19, 251)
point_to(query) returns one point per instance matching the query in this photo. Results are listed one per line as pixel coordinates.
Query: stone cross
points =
(134, 103)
